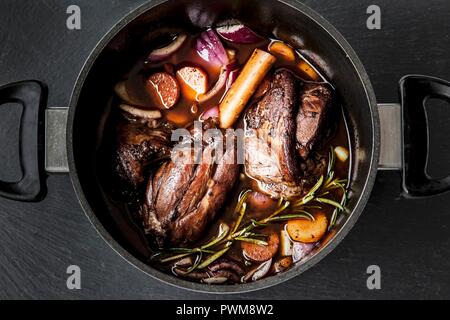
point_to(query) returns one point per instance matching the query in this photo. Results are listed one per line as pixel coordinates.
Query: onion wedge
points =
(238, 33)
(160, 54)
(226, 79)
(210, 48)
(141, 113)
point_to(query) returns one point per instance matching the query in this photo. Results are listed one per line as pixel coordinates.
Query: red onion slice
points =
(210, 48)
(210, 113)
(238, 33)
(160, 54)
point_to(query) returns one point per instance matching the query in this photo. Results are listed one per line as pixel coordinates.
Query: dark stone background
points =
(408, 239)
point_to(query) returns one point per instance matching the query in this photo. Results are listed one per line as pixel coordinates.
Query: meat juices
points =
(271, 158)
(182, 197)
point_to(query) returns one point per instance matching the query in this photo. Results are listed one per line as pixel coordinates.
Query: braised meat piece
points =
(184, 195)
(270, 155)
(138, 143)
(280, 124)
(312, 116)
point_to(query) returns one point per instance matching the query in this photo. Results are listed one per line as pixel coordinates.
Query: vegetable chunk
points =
(307, 231)
(261, 253)
(163, 89)
(283, 51)
(194, 82)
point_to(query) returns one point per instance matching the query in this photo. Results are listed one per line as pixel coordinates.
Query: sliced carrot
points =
(307, 231)
(308, 70)
(194, 82)
(261, 253)
(283, 51)
(163, 89)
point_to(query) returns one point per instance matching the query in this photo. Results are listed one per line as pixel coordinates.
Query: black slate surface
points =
(408, 239)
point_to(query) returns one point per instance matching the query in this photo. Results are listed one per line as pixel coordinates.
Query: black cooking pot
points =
(399, 143)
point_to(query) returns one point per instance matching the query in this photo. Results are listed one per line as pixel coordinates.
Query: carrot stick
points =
(283, 51)
(244, 87)
(306, 68)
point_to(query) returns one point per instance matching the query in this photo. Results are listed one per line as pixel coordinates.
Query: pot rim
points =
(263, 283)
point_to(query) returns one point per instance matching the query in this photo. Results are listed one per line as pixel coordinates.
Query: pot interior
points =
(138, 33)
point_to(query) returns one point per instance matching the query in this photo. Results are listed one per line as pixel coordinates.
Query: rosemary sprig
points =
(241, 200)
(176, 257)
(223, 232)
(252, 240)
(196, 263)
(336, 211)
(228, 238)
(331, 161)
(241, 216)
(256, 223)
(256, 235)
(288, 217)
(330, 202)
(213, 258)
(276, 213)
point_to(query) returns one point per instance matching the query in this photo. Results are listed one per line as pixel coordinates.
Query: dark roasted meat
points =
(279, 124)
(311, 117)
(184, 195)
(138, 143)
(270, 155)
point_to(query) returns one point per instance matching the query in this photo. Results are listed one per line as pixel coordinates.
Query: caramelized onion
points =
(227, 77)
(141, 113)
(160, 54)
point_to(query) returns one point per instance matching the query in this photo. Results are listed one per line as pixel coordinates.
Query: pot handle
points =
(32, 95)
(414, 91)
